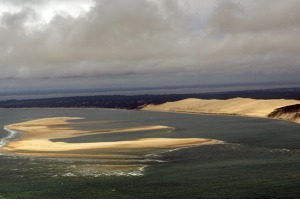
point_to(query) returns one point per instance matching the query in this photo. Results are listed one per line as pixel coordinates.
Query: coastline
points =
(39, 133)
(222, 114)
(243, 107)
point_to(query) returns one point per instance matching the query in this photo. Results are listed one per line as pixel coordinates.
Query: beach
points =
(38, 136)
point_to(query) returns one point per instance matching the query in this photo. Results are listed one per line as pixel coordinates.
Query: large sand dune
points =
(236, 106)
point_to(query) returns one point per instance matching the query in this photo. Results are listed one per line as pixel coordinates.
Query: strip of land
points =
(38, 134)
(236, 106)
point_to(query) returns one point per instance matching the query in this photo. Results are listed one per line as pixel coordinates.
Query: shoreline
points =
(145, 108)
(222, 114)
(242, 107)
(39, 132)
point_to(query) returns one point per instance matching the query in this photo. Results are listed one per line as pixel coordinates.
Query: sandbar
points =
(38, 134)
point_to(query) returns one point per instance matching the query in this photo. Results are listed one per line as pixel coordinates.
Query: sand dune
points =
(236, 106)
(38, 135)
(291, 113)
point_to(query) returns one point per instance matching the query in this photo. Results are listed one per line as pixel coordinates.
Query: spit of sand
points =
(38, 135)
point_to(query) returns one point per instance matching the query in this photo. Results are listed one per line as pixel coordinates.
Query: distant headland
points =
(271, 108)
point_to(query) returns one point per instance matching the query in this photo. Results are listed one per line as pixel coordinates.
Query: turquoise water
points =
(259, 159)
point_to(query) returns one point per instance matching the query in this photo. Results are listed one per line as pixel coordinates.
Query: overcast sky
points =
(82, 44)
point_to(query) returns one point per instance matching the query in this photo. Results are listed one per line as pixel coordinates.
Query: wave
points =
(77, 171)
(11, 136)
(160, 154)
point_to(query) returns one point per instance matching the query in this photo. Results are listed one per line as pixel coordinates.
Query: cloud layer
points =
(237, 40)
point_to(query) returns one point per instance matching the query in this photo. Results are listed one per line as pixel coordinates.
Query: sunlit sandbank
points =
(236, 106)
(39, 133)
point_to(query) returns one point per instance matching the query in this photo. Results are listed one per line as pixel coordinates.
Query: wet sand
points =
(38, 134)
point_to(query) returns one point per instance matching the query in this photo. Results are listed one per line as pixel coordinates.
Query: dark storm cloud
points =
(125, 37)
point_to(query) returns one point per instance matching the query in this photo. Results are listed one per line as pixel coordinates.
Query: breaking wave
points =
(77, 171)
(11, 135)
(160, 154)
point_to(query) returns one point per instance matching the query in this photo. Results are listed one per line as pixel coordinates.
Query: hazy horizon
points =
(188, 89)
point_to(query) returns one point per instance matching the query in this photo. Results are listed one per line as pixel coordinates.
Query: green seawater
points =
(260, 158)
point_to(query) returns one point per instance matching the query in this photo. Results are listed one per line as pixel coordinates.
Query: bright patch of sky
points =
(45, 11)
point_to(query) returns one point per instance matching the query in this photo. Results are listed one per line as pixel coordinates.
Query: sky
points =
(88, 44)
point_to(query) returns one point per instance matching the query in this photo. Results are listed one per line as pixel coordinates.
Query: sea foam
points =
(11, 135)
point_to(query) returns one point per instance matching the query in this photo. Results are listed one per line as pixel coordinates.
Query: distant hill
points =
(272, 108)
(137, 101)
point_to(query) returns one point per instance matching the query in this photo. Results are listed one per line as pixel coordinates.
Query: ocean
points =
(257, 158)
